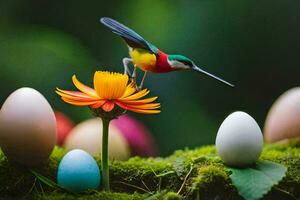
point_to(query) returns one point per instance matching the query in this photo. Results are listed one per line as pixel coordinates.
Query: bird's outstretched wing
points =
(131, 37)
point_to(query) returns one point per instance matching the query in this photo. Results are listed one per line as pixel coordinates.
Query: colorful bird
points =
(148, 57)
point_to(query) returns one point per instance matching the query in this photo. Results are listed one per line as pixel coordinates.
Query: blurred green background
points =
(253, 44)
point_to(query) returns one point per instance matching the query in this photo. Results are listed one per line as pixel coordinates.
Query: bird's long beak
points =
(197, 69)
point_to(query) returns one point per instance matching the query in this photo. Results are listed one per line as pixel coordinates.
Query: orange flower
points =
(110, 89)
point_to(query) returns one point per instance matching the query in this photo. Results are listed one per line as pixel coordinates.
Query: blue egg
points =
(78, 171)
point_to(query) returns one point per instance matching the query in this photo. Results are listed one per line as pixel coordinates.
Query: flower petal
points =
(143, 111)
(137, 95)
(83, 88)
(146, 106)
(78, 103)
(142, 101)
(130, 89)
(98, 104)
(108, 106)
(138, 107)
(74, 95)
(142, 106)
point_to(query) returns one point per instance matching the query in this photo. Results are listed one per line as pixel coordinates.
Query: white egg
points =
(239, 140)
(27, 127)
(88, 136)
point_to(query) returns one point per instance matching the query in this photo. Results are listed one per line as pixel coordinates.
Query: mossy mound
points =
(187, 174)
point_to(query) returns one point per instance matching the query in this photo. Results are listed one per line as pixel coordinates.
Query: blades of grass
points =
(45, 180)
(164, 174)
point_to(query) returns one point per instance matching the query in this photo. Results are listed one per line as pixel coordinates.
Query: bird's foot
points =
(134, 84)
(139, 88)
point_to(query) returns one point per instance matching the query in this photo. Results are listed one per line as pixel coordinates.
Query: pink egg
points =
(87, 136)
(283, 120)
(64, 126)
(139, 138)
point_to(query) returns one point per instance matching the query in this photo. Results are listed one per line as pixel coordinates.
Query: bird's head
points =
(180, 62)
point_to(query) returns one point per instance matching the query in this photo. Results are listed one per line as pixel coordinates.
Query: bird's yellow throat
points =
(143, 59)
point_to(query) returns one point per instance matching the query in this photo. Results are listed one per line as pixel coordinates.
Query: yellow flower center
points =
(110, 85)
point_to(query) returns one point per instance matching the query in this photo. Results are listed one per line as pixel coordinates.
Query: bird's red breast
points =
(162, 64)
(148, 61)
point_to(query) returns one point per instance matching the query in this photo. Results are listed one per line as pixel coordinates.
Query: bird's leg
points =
(126, 61)
(134, 72)
(142, 81)
(133, 76)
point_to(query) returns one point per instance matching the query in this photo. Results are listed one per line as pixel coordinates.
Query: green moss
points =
(93, 196)
(187, 174)
(289, 155)
(212, 182)
(172, 196)
(142, 175)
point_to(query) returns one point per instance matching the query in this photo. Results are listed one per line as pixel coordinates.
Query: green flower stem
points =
(104, 159)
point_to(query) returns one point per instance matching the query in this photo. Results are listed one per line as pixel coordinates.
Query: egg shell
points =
(64, 126)
(27, 127)
(78, 171)
(137, 135)
(88, 136)
(283, 119)
(239, 140)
